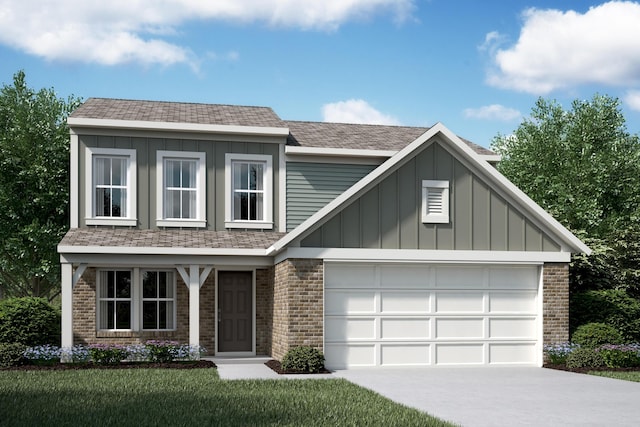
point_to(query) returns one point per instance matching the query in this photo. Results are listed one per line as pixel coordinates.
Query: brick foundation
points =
(297, 305)
(555, 311)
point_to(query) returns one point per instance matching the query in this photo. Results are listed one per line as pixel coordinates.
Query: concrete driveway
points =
(475, 397)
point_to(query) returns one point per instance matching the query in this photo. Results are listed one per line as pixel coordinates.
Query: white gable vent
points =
(435, 201)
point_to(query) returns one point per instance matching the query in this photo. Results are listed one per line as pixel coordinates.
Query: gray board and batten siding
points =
(310, 186)
(146, 149)
(388, 216)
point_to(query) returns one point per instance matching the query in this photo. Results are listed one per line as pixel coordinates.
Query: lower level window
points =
(126, 303)
(115, 300)
(158, 300)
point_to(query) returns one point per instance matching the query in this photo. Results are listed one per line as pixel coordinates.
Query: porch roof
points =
(99, 239)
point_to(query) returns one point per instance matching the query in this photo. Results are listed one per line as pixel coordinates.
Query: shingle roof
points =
(302, 133)
(195, 239)
(359, 136)
(177, 112)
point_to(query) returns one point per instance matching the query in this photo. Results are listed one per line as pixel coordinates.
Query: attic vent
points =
(435, 201)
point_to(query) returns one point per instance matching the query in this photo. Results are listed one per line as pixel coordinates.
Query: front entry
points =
(235, 311)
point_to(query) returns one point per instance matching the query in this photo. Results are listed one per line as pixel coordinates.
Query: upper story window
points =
(435, 201)
(181, 189)
(111, 187)
(248, 191)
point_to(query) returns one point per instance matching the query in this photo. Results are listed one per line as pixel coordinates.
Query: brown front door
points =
(235, 311)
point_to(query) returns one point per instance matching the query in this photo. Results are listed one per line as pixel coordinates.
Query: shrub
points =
(162, 351)
(11, 354)
(558, 352)
(29, 321)
(80, 354)
(614, 307)
(43, 354)
(584, 357)
(107, 354)
(620, 356)
(593, 335)
(303, 359)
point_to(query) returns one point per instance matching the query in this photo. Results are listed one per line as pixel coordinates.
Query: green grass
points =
(627, 376)
(141, 397)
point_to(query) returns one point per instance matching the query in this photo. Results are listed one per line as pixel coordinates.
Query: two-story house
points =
(227, 227)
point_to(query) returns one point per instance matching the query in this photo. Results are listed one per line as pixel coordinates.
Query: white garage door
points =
(408, 315)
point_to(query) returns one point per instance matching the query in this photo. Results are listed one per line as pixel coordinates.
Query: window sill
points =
(125, 222)
(181, 223)
(249, 224)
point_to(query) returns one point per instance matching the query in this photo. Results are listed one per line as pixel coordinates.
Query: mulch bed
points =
(199, 364)
(277, 367)
(585, 370)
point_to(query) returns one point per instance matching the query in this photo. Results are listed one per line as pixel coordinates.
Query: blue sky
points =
(476, 66)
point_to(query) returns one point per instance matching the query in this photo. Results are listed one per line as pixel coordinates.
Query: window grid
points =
(158, 300)
(115, 300)
(110, 185)
(248, 191)
(180, 189)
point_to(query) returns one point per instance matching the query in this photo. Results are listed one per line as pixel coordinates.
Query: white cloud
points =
(124, 31)
(559, 49)
(632, 99)
(493, 112)
(355, 111)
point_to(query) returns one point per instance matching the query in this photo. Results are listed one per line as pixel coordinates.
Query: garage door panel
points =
(340, 302)
(513, 278)
(512, 328)
(350, 276)
(459, 277)
(340, 356)
(402, 355)
(404, 328)
(512, 353)
(343, 329)
(447, 328)
(403, 302)
(455, 302)
(459, 354)
(405, 276)
(411, 314)
(510, 302)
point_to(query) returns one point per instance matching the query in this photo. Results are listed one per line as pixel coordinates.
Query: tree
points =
(34, 182)
(581, 165)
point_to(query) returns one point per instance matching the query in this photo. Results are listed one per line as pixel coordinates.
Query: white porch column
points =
(194, 305)
(67, 311)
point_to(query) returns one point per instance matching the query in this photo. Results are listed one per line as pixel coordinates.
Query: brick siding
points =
(297, 305)
(555, 311)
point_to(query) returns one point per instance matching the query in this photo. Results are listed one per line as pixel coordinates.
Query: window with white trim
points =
(435, 201)
(181, 188)
(111, 186)
(115, 300)
(158, 300)
(134, 300)
(248, 191)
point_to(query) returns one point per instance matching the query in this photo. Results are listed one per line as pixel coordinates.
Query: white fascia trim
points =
(417, 255)
(155, 261)
(282, 190)
(180, 127)
(158, 251)
(342, 152)
(491, 158)
(74, 181)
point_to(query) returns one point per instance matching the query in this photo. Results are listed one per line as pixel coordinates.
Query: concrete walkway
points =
(483, 397)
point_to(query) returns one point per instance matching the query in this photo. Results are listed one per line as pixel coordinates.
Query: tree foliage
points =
(581, 165)
(34, 183)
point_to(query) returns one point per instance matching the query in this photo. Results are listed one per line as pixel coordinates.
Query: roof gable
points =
(460, 150)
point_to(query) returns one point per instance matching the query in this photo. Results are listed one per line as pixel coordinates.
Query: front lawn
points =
(190, 397)
(619, 375)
